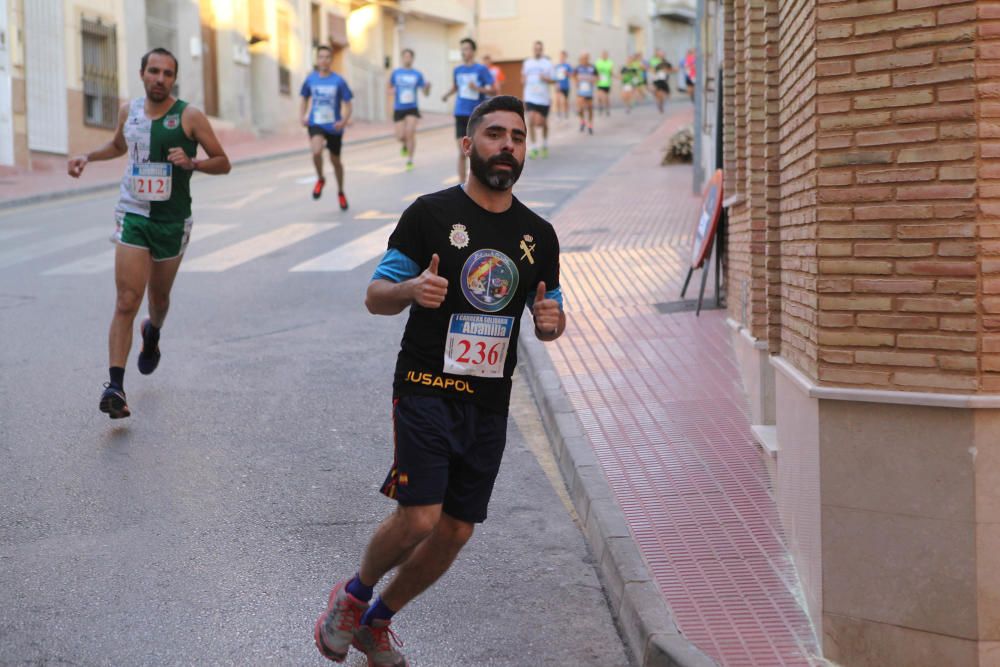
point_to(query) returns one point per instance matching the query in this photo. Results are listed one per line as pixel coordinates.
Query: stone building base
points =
(890, 503)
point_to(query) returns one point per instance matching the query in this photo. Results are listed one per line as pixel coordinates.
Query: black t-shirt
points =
(493, 263)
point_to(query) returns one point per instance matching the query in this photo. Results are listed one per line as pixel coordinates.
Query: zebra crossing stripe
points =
(51, 245)
(14, 233)
(257, 246)
(351, 255)
(105, 261)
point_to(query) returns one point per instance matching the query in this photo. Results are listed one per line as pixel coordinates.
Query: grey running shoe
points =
(335, 627)
(376, 641)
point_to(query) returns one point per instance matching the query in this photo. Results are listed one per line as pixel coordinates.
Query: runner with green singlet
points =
(605, 71)
(171, 208)
(628, 85)
(160, 134)
(639, 77)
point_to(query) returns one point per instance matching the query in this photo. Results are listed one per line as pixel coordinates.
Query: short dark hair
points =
(471, 42)
(410, 51)
(323, 47)
(498, 103)
(160, 51)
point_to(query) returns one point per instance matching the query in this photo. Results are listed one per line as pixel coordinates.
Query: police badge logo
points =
(172, 121)
(459, 237)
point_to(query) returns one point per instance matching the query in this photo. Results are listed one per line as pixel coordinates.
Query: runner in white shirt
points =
(537, 74)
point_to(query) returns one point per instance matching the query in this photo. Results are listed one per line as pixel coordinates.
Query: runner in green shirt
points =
(160, 134)
(639, 78)
(605, 71)
(628, 86)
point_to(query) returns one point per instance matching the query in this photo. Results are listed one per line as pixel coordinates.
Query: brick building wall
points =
(734, 164)
(795, 164)
(988, 168)
(865, 232)
(898, 166)
(870, 382)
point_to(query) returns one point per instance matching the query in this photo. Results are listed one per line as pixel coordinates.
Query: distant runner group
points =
(326, 97)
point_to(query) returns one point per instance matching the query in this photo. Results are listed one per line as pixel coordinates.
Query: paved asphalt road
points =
(208, 527)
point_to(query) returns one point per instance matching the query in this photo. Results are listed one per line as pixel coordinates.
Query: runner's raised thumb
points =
(433, 268)
(540, 294)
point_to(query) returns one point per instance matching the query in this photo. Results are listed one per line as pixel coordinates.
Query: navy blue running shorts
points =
(448, 452)
(333, 141)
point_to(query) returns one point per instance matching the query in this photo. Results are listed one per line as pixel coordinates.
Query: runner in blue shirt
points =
(473, 83)
(586, 77)
(404, 83)
(323, 93)
(564, 71)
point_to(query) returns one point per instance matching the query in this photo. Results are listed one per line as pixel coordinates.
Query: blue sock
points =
(377, 612)
(359, 590)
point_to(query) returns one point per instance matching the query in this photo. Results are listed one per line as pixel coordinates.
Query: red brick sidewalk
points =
(661, 405)
(48, 173)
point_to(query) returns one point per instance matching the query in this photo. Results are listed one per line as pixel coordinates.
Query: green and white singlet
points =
(152, 187)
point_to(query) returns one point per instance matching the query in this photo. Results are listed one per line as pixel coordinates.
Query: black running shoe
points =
(113, 402)
(148, 361)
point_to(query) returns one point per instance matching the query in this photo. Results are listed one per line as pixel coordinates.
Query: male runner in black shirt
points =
(486, 257)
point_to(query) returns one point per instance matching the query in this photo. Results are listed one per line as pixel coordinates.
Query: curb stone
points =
(252, 159)
(645, 619)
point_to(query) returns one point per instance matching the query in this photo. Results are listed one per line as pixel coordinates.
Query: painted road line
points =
(51, 245)
(380, 169)
(351, 255)
(376, 215)
(6, 234)
(105, 261)
(288, 173)
(252, 197)
(255, 247)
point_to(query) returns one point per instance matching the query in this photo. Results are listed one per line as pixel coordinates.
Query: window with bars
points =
(100, 73)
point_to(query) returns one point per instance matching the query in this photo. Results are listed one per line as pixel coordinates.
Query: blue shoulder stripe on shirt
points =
(396, 267)
(550, 294)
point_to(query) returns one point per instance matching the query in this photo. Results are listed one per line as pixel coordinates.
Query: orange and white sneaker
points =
(376, 641)
(335, 627)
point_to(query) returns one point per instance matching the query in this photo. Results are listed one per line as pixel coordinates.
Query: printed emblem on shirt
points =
(528, 249)
(172, 121)
(489, 280)
(459, 237)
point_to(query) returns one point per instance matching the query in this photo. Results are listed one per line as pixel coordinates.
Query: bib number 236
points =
(151, 181)
(477, 344)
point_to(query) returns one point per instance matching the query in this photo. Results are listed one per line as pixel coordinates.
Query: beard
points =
(157, 94)
(488, 173)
